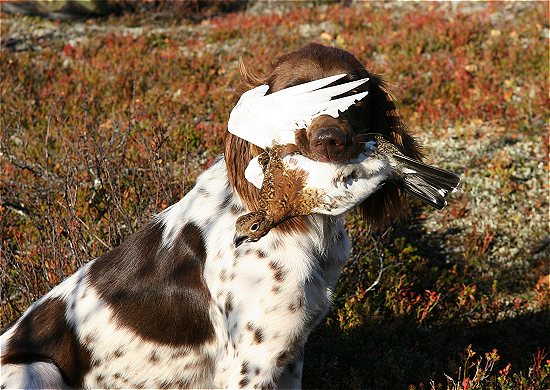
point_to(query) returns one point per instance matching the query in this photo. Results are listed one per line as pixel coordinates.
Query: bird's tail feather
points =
(436, 176)
(426, 182)
(417, 187)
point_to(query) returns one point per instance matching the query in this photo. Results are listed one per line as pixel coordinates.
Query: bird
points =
(273, 118)
(301, 186)
(292, 185)
(425, 182)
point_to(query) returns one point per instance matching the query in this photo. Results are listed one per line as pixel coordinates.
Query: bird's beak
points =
(238, 240)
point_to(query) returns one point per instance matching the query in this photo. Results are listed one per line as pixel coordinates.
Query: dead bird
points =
(308, 186)
(299, 186)
(425, 182)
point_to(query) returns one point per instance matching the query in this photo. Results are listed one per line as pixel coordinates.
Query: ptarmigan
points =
(289, 191)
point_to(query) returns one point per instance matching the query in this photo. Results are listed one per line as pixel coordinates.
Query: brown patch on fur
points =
(299, 304)
(44, 335)
(88, 339)
(244, 368)
(278, 271)
(289, 353)
(142, 270)
(228, 304)
(118, 353)
(154, 358)
(258, 336)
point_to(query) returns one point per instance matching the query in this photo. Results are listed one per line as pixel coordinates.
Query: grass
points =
(108, 121)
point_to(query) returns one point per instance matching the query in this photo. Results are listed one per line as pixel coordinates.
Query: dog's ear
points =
(381, 116)
(238, 154)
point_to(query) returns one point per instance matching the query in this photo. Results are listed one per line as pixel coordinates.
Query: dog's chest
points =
(267, 296)
(257, 282)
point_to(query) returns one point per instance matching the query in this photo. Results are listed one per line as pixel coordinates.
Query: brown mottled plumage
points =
(283, 196)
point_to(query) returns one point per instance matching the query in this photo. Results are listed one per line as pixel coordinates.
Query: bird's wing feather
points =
(336, 90)
(308, 87)
(339, 105)
(418, 187)
(253, 173)
(264, 119)
(435, 176)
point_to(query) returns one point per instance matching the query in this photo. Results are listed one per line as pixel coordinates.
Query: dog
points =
(177, 305)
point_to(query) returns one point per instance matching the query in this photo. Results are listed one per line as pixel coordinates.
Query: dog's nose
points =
(328, 143)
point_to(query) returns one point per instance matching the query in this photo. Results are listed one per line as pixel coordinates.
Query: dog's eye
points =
(254, 226)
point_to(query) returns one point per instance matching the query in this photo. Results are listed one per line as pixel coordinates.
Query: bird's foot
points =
(345, 175)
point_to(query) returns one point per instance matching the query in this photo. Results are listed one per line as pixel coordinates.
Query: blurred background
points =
(110, 110)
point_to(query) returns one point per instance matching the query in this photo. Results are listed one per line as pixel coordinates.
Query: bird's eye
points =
(254, 227)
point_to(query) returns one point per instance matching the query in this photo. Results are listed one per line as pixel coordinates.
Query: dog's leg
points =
(37, 375)
(291, 377)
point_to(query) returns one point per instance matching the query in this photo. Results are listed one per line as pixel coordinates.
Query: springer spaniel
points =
(177, 305)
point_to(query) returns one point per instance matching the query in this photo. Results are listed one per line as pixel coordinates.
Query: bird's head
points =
(251, 227)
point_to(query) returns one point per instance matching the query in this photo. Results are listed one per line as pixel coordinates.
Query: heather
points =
(107, 121)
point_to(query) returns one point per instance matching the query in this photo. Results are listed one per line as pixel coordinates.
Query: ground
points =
(107, 121)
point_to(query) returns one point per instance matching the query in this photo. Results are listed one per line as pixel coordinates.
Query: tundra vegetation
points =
(107, 121)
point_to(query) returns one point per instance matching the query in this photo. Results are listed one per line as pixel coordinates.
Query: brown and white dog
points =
(177, 305)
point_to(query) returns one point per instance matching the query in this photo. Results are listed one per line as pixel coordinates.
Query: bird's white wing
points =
(347, 193)
(254, 173)
(264, 119)
(309, 86)
(244, 120)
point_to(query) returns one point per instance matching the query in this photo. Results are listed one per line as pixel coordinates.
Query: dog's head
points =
(327, 138)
